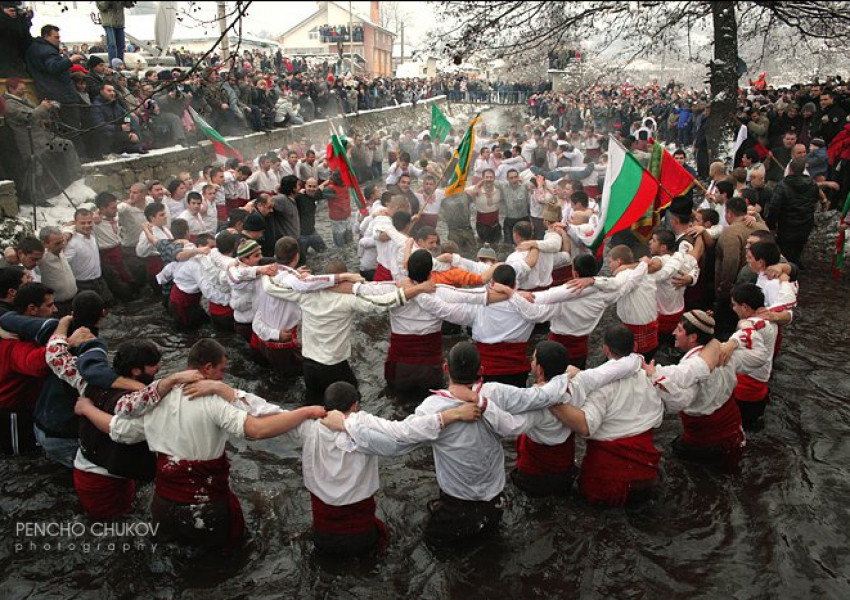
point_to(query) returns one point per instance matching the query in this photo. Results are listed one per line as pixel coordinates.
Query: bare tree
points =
(500, 26)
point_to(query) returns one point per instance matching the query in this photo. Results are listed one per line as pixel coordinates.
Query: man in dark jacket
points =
(791, 210)
(113, 124)
(52, 74)
(15, 38)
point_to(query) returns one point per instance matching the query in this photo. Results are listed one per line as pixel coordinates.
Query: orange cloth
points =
(457, 277)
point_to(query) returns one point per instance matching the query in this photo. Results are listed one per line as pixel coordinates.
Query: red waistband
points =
(424, 349)
(192, 481)
(256, 342)
(232, 203)
(221, 211)
(539, 459)
(722, 427)
(562, 275)
(667, 323)
(646, 336)
(153, 265)
(632, 458)
(504, 358)
(490, 219)
(104, 497)
(182, 299)
(749, 389)
(220, 310)
(349, 519)
(576, 345)
(382, 274)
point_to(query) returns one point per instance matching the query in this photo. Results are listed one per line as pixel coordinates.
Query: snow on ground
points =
(61, 211)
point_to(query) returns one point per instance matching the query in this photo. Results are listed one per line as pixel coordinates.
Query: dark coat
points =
(51, 72)
(791, 209)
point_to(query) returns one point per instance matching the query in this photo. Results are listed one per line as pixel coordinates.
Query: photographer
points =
(15, 38)
(114, 131)
(55, 153)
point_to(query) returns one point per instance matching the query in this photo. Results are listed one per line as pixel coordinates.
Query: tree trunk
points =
(723, 78)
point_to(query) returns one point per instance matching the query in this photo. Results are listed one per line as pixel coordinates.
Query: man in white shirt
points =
(430, 199)
(327, 320)
(700, 390)
(620, 464)
(55, 271)
(402, 167)
(131, 215)
(106, 232)
(264, 180)
(155, 223)
(192, 216)
(193, 502)
(83, 256)
(665, 265)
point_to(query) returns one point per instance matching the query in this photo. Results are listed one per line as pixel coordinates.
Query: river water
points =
(778, 529)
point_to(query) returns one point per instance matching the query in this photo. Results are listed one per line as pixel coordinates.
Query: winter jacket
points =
(817, 162)
(791, 209)
(51, 72)
(112, 13)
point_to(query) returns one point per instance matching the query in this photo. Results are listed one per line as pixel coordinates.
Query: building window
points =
(313, 34)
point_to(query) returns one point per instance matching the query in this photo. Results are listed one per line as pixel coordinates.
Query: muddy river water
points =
(778, 529)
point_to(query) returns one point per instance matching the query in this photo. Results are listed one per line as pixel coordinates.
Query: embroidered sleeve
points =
(135, 404)
(63, 363)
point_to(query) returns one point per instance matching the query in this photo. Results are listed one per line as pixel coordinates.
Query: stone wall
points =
(8, 200)
(163, 164)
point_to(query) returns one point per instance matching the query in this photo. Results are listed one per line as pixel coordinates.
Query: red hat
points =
(78, 68)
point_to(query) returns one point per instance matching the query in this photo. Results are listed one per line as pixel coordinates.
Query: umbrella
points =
(166, 18)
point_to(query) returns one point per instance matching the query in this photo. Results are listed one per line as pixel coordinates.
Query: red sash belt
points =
(646, 336)
(234, 203)
(104, 497)
(720, 428)
(221, 211)
(667, 323)
(182, 302)
(609, 467)
(539, 459)
(576, 345)
(424, 349)
(153, 265)
(504, 358)
(489, 219)
(562, 275)
(382, 274)
(349, 519)
(749, 389)
(592, 191)
(220, 310)
(429, 220)
(199, 482)
(256, 342)
(114, 258)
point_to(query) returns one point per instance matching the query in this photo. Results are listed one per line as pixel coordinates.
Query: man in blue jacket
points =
(113, 124)
(51, 72)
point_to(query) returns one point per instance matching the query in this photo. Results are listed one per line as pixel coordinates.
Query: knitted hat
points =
(487, 252)
(552, 213)
(701, 320)
(810, 106)
(254, 222)
(94, 61)
(117, 64)
(818, 142)
(247, 248)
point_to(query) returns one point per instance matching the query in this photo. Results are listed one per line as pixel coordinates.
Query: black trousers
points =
(317, 378)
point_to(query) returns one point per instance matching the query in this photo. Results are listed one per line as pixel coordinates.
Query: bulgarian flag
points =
(673, 181)
(629, 191)
(838, 259)
(223, 150)
(463, 160)
(337, 157)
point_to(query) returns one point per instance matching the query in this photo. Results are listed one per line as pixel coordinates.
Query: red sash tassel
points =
(104, 497)
(504, 358)
(610, 467)
(539, 459)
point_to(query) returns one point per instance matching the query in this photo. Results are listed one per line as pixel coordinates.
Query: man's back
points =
(468, 457)
(624, 408)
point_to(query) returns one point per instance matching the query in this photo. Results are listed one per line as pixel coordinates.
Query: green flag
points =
(440, 125)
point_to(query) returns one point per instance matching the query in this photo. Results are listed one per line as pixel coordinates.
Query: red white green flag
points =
(674, 181)
(223, 150)
(838, 259)
(629, 191)
(337, 156)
